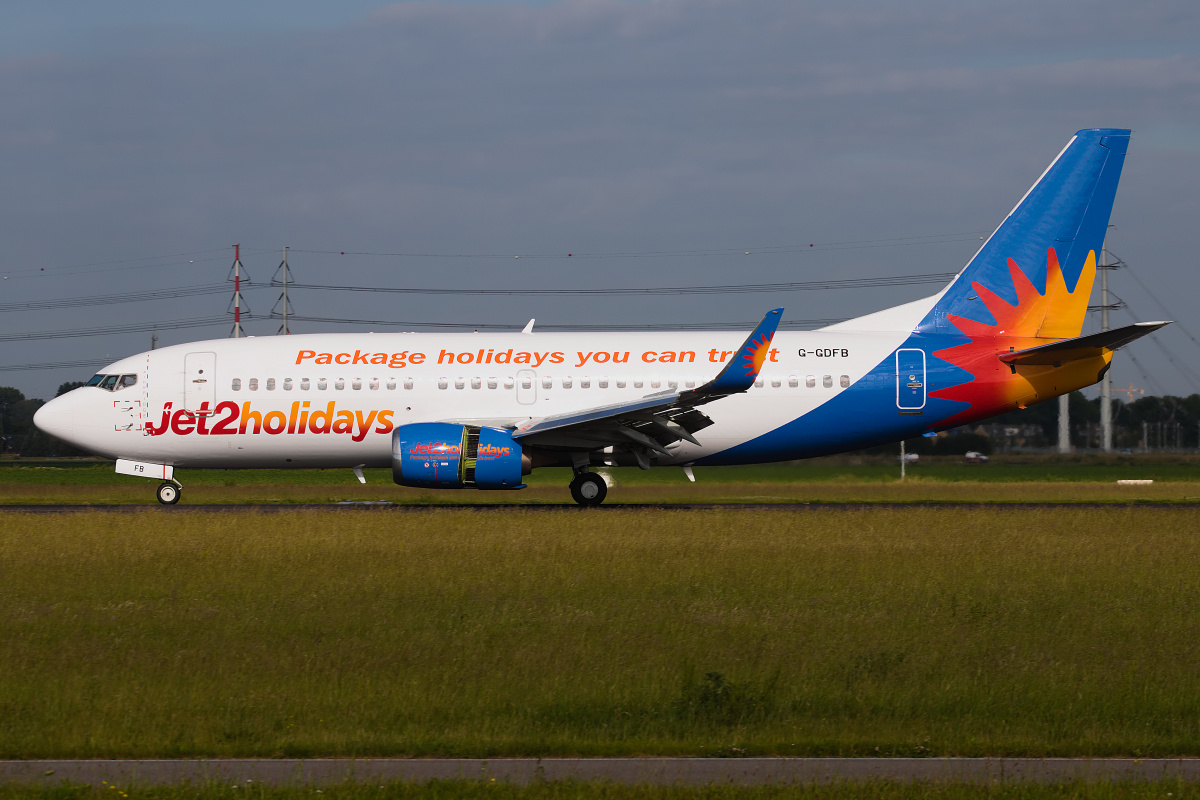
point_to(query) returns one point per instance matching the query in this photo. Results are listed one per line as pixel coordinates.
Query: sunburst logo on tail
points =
(755, 353)
(1034, 319)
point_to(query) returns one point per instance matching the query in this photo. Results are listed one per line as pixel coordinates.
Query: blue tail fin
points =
(1051, 237)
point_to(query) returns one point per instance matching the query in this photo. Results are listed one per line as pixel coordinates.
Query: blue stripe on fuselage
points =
(864, 415)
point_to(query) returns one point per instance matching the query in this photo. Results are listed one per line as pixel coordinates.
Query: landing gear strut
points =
(588, 489)
(168, 493)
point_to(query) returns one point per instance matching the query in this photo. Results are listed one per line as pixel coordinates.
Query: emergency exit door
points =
(910, 379)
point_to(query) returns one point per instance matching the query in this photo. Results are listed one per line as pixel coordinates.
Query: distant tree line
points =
(18, 434)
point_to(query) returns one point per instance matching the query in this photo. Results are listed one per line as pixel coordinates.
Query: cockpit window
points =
(127, 380)
(109, 382)
(95, 381)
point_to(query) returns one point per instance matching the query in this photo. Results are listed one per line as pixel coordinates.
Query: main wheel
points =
(168, 494)
(588, 489)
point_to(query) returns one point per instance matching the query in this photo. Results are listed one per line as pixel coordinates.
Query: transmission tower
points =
(238, 274)
(283, 308)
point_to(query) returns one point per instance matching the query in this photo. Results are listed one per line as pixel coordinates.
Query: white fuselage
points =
(332, 400)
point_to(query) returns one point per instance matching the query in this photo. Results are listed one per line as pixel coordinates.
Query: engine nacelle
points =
(442, 455)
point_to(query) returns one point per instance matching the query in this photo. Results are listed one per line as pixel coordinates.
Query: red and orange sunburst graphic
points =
(755, 354)
(1035, 319)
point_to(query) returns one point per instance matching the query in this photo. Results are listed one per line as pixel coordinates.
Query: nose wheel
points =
(588, 489)
(168, 494)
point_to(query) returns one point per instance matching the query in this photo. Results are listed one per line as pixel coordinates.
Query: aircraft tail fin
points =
(1034, 275)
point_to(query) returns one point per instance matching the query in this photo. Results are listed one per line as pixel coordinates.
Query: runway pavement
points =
(657, 771)
(385, 506)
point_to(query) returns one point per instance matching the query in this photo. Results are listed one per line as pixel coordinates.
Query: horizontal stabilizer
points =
(1096, 344)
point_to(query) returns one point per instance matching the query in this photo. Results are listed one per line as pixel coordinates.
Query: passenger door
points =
(199, 380)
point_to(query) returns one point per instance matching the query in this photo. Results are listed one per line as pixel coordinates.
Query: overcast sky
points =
(669, 136)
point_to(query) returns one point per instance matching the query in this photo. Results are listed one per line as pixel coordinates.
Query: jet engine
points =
(443, 455)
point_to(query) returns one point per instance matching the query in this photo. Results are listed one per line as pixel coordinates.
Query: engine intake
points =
(443, 455)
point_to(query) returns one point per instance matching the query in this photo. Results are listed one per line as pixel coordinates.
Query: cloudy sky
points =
(658, 142)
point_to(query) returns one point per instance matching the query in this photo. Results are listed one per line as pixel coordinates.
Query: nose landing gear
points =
(588, 489)
(168, 493)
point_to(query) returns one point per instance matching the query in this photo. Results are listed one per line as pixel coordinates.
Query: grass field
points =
(302, 633)
(468, 790)
(839, 479)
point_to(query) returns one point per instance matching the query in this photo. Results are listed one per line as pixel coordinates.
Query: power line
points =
(900, 241)
(55, 365)
(135, 327)
(110, 299)
(679, 326)
(795, 286)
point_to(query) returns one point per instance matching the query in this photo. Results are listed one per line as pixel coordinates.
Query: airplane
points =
(482, 410)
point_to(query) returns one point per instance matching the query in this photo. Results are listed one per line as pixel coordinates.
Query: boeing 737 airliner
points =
(483, 410)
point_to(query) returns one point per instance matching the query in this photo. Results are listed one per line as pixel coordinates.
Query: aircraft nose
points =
(57, 417)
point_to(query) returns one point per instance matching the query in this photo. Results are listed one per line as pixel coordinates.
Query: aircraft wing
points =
(1080, 347)
(650, 423)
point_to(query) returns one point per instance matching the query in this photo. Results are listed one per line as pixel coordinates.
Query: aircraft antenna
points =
(236, 275)
(282, 309)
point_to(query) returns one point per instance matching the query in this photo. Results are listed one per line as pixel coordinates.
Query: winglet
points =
(742, 370)
(528, 327)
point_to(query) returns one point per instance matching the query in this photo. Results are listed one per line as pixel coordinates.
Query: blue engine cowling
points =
(443, 455)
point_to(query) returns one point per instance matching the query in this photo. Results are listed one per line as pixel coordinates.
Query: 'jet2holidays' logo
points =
(229, 419)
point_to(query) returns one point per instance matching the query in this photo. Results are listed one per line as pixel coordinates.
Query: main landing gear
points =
(168, 493)
(588, 489)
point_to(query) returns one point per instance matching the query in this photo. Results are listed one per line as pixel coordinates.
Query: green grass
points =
(572, 790)
(838, 479)
(304, 633)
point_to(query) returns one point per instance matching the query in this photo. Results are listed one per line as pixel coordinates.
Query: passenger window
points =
(127, 380)
(758, 383)
(827, 381)
(525, 383)
(567, 381)
(305, 384)
(793, 381)
(845, 382)
(322, 384)
(459, 383)
(655, 383)
(391, 384)
(109, 382)
(287, 384)
(620, 383)
(476, 383)
(776, 383)
(408, 383)
(357, 384)
(810, 381)
(689, 384)
(270, 384)
(339, 384)
(236, 384)
(585, 383)
(637, 383)
(254, 384)
(672, 384)
(443, 383)
(374, 384)
(602, 383)
(492, 383)
(547, 383)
